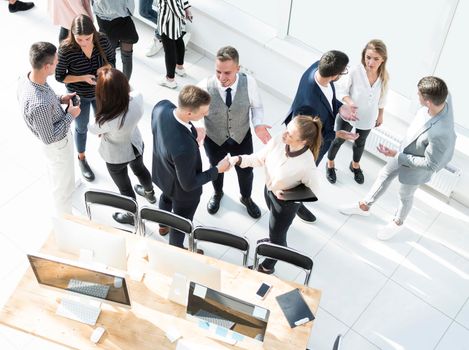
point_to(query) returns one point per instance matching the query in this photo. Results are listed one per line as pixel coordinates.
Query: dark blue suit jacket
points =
(310, 100)
(177, 166)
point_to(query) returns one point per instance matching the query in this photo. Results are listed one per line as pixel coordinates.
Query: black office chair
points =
(337, 343)
(288, 255)
(166, 218)
(217, 236)
(114, 200)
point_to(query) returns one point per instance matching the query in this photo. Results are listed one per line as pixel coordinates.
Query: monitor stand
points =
(82, 310)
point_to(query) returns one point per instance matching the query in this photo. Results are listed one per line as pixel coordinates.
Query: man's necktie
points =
(228, 97)
(193, 130)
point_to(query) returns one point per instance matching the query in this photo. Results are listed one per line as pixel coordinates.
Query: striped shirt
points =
(73, 61)
(42, 111)
(171, 18)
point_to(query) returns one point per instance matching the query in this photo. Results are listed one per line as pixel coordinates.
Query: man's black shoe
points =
(85, 169)
(253, 209)
(214, 203)
(357, 174)
(305, 215)
(20, 6)
(123, 218)
(149, 195)
(331, 175)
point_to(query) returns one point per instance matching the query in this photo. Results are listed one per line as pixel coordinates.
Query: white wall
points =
(423, 36)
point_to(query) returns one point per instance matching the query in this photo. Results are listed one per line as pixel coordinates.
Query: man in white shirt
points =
(234, 96)
(427, 148)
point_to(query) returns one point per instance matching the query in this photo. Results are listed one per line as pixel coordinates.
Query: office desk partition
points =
(31, 308)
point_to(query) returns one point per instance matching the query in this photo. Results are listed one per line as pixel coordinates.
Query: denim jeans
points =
(81, 123)
(146, 11)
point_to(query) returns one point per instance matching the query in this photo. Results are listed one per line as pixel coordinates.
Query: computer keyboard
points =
(78, 311)
(215, 319)
(88, 288)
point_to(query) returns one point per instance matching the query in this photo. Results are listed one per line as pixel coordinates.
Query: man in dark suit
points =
(177, 166)
(316, 97)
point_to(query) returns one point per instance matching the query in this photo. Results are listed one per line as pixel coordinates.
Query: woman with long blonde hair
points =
(364, 87)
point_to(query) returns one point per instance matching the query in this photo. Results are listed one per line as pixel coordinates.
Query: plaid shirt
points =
(42, 111)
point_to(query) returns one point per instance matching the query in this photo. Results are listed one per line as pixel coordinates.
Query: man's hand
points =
(262, 133)
(224, 165)
(200, 136)
(348, 113)
(65, 99)
(388, 152)
(347, 135)
(73, 110)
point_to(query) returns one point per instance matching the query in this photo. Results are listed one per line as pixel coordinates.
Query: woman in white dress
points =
(366, 88)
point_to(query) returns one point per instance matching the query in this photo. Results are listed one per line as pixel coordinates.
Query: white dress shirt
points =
(368, 98)
(255, 102)
(326, 90)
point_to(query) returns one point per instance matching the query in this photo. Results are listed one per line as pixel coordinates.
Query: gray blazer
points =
(429, 150)
(116, 144)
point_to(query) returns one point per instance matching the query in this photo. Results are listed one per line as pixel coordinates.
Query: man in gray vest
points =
(234, 96)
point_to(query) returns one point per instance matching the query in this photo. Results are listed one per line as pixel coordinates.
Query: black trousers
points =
(120, 176)
(358, 144)
(216, 153)
(174, 51)
(281, 216)
(186, 209)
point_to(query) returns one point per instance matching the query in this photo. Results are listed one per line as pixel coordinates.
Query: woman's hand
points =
(188, 14)
(379, 120)
(89, 78)
(279, 194)
(233, 160)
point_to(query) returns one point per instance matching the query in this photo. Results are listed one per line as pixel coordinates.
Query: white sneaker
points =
(155, 47)
(354, 210)
(186, 38)
(181, 72)
(168, 83)
(389, 231)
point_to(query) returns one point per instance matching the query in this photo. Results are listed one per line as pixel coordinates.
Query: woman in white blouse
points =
(366, 88)
(288, 161)
(118, 111)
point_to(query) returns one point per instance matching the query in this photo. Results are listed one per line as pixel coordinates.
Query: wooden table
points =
(31, 308)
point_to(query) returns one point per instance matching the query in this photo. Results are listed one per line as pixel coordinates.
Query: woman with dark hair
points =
(115, 19)
(288, 161)
(117, 115)
(80, 56)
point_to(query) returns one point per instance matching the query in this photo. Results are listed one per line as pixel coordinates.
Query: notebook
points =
(295, 308)
(300, 193)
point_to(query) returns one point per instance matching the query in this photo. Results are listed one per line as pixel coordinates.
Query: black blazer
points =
(177, 166)
(310, 100)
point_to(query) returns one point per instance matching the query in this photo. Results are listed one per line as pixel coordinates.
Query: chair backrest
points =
(217, 236)
(288, 255)
(337, 343)
(114, 200)
(166, 218)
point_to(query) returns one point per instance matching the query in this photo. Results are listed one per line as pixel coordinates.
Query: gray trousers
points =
(406, 192)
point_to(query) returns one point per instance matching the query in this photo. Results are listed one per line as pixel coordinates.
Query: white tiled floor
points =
(409, 293)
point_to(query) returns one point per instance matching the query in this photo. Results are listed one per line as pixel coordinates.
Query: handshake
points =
(227, 163)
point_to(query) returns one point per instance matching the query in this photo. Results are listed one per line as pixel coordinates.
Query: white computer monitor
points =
(81, 279)
(92, 244)
(174, 261)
